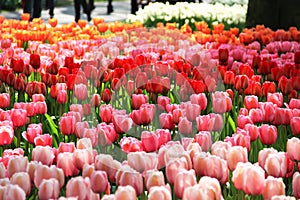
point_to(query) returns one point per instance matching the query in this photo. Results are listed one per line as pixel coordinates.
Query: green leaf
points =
(52, 128)
(232, 123)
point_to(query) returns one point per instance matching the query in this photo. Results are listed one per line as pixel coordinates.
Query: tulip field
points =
(121, 111)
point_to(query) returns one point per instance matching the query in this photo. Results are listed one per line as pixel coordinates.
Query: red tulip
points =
(241, 82)
(106, 95)
(268, 87)
(294, 103)
(267, 134)
(49, 189)
(96, 100)
(4, 100)
(251, 101)
(17, 65)
(35, 61)
(223, 56)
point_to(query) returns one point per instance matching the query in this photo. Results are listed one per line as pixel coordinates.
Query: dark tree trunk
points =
(275, 14)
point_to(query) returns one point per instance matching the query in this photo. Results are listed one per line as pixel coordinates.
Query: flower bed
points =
(143, 113)
(188, 13)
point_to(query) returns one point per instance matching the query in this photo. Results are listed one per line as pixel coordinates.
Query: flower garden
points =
(203, 110)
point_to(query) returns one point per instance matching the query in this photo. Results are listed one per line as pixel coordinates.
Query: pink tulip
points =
(131, 144)
(235, 155)
(91, 134)
(275, 98)
(185, 126)
(62, 96)
(78, 182)
(2, 170)
(87, 170)
(142, 161)
(67, 125)
(106, 133)
(80, 91)
(203, 138)
(125, 192)
(49, 189)
(292, 148)
(17, 164)
(220, 149)
(128, 176)
(159, 192)
(12, 192)
(33, 130)
(294, 103)
(166, 121)
(221, 102)
(81, 157)
(76, 108)
(296, 184)
(99, 181)
(43, 140)
(6, 135)
(106, 163)
(79, 128)
(251, 101)
(164, 136)
(43, 172)
(270, 184)
(199, 99)
(66, 147)
(252, 130)
(183, 180)
(84, 143)
(212, 186)
(96, 100)
(122, 123)
(162, 102)
(276, 164)
(263, 155)
(66, 162)
(138, 100)
(18, 117)
(154, 178)
(192, 111)
(40, 107)
(43, 154)
(150, 141)
(295, 125)
(22, 179)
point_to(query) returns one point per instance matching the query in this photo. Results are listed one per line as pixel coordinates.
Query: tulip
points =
(43, 154)
(235, 155)
(150, 141)
(43, 140)
(67, 125)
(4, 100)
(268, 134)
(276, 164)
(6, 135)
(251, 101)
(62, 96)
(106, 95)
(18, 117)
(263, 154)
(78, 182)
(17, 65)
(220, 149)
(221, 102)
(159, 192)
(295, 125)
(108, 164)
(292, 147)
(154, 178)
(91, 134)
(128, 176)
(241, 82)
(125, 192)
(81, 157)
(16, 164)
(43, 172)
(166, 121)
(49, 189)
(192, 111)
(12, 192)
(35, 61)
(2, 170)
(122, 123)
(96, 100)
(66, 147)
(142, 161)
(183, 180)
(99, 181)
(162, 102)
(138, 100)
(106, 113)
(33, 130)
(22, 179)
(296, 184)
(185, 126)
(106, 133)
(67, 163)
(256, 115)
(212, 186)
(275, 98)
(273, 187)
(80, 91)
(203, 138)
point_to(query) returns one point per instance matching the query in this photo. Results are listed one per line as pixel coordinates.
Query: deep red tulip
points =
(17, 65)
(35, 61)
(241, 82)
(223, 56)
(268, 87)
(106, 95)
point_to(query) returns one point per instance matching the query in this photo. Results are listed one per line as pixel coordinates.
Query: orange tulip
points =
(102, 27)
(1, 19)
(52, 22)
(82, 23)
(98, 20)
(25, 16)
